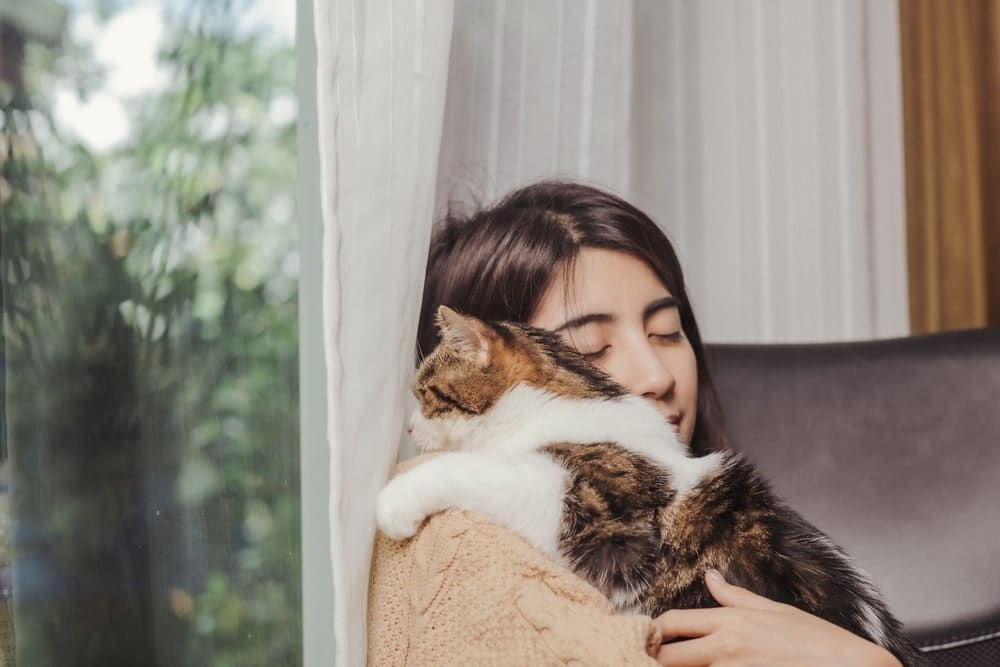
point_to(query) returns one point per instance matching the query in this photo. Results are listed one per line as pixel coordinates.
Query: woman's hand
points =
(752, 630)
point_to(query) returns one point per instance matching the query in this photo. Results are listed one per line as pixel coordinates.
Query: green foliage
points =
(150, 341)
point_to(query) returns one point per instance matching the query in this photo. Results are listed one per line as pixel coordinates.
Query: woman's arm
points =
(752, 630)
(465, 591)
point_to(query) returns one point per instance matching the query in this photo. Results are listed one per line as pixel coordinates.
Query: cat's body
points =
(547, 446)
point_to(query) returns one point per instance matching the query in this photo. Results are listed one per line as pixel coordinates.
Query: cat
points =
(539, 441)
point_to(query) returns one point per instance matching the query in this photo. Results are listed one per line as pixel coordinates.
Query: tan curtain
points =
(950, 55)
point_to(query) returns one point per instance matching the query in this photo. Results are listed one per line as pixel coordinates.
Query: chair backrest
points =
(893, 449)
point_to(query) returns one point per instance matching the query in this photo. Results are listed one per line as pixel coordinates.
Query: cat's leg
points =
(521, 491)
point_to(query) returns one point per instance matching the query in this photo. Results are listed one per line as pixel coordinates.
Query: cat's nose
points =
(409, 429)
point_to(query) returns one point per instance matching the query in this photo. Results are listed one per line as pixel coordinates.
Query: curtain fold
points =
(381, 77)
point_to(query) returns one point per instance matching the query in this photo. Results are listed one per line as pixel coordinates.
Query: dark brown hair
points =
(497, 263)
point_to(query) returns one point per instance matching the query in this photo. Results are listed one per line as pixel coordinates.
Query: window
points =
(149, 485)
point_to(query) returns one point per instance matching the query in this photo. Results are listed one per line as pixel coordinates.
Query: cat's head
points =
(477, 362)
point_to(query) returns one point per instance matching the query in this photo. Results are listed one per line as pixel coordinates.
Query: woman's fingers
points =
(750, 629)
(687, 653)
(679, 623)
(730, 595)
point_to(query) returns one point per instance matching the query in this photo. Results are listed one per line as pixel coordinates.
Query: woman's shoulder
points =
(457, 543)
(462, 549)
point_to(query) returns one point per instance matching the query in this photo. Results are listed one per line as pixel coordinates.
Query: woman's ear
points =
(465, 333)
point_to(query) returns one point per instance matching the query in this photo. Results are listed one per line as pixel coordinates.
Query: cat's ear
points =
(465, 333)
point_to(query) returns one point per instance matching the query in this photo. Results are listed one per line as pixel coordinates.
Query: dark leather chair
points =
(893, 449)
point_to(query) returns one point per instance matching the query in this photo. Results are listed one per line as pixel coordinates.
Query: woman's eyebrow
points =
(651, 309)
(660, 304)
(583, 320)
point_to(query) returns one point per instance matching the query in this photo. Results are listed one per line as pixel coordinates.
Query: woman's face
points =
(619, 315)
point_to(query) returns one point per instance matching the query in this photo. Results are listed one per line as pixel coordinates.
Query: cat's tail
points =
(825, 579)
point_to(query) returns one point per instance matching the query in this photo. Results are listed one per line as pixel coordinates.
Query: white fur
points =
(520, 490)
(873, 624)
(527, 418)
(442, 433)
(625, 604)
(870, 619)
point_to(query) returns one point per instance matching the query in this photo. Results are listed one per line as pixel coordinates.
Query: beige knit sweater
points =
(464, 591)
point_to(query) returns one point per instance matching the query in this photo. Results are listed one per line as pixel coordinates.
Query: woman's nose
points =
(651, 375)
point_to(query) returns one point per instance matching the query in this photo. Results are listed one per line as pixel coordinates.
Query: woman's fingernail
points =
(714, 575)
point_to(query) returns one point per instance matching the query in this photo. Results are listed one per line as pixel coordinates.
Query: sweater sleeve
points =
(464, 591)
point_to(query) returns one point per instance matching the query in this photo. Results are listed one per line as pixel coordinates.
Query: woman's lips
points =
(675, 422)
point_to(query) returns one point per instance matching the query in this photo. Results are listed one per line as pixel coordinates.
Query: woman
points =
(588, 265)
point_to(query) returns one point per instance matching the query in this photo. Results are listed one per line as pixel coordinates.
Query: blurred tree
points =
(150, 347)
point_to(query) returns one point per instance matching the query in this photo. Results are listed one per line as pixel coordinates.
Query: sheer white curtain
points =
(764, 136)
(381, 75)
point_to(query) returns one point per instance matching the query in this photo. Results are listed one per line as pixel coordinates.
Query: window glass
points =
(149, 484)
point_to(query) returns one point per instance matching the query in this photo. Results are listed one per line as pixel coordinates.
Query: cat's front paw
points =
(398, 509)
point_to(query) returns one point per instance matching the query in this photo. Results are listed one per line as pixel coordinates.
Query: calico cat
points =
(541, 442)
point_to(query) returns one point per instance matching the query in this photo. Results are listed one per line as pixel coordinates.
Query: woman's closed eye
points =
(600, 352)
(596, 354)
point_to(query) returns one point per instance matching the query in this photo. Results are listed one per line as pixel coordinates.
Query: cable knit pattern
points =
(464, 591)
